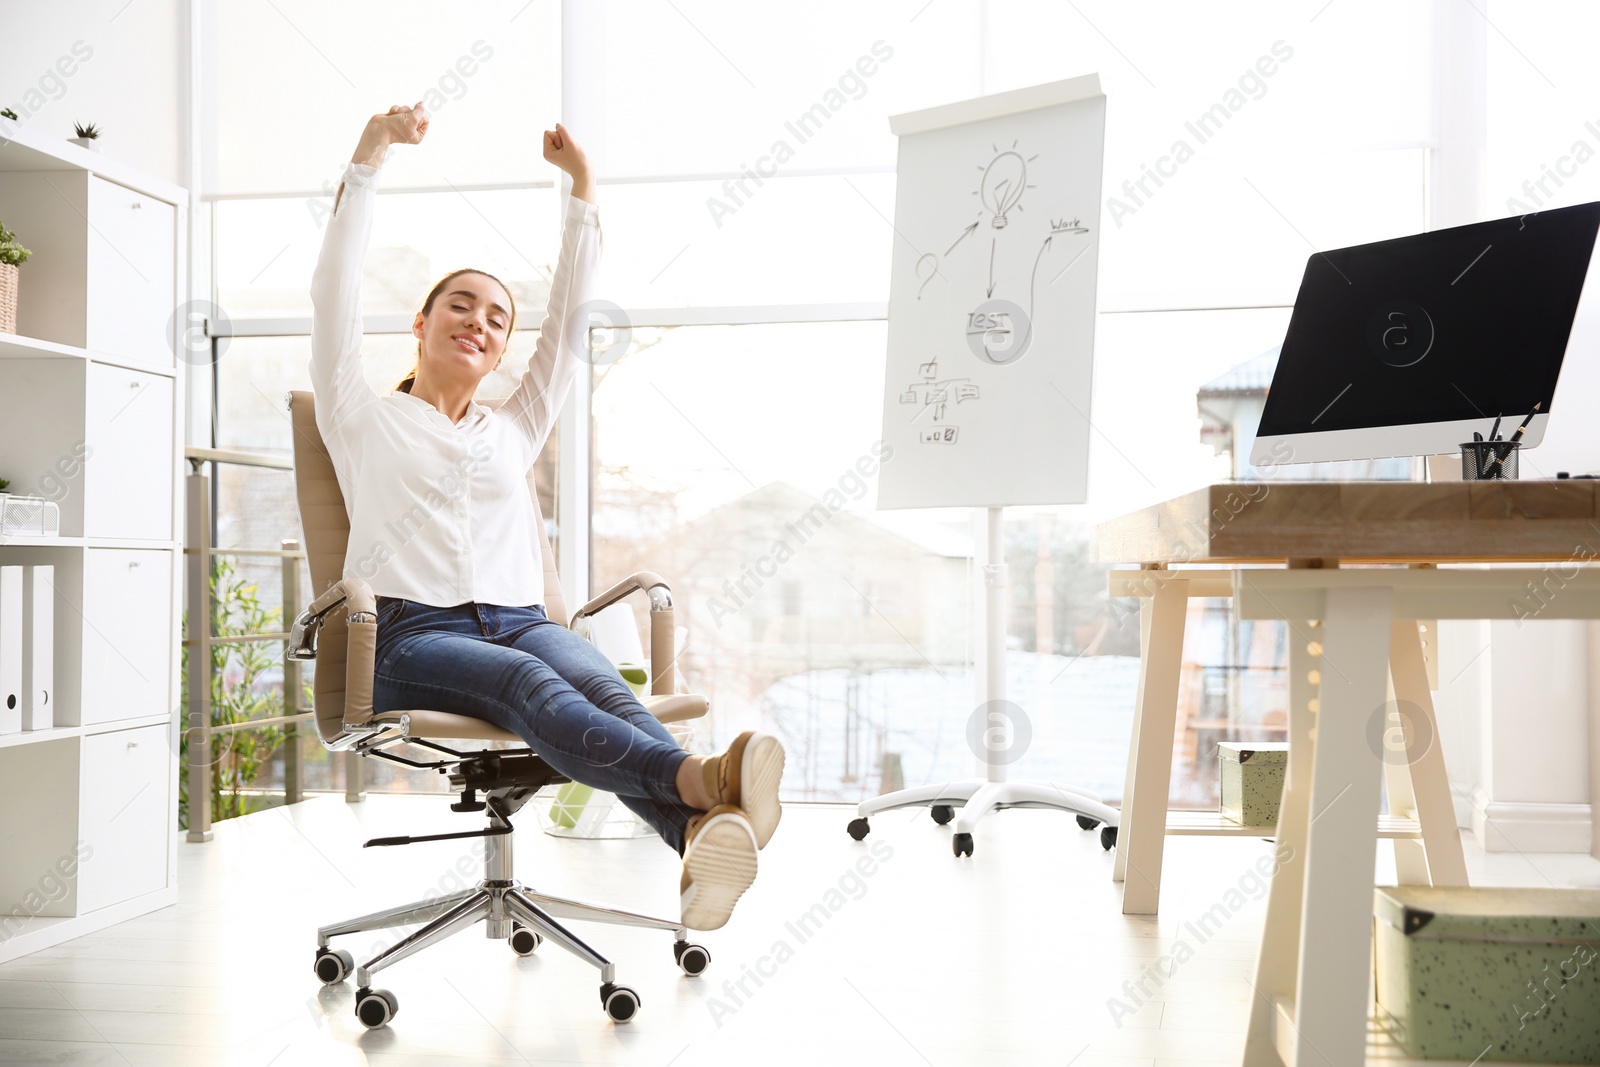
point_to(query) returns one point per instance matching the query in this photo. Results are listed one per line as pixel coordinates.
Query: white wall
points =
(1535, 792)
(1513, 702)
(124, 67)
(1541, 712)
(1513, 705)
(121, 66)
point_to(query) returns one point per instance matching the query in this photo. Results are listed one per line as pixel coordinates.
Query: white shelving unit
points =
(91, 396)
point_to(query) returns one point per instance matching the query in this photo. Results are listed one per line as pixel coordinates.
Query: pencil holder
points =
(1489, 460)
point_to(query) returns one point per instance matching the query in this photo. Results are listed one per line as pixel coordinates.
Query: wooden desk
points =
(1359, 696)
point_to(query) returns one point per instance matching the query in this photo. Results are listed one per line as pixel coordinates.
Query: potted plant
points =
(11, 257)
(3, 484)
(87, 136)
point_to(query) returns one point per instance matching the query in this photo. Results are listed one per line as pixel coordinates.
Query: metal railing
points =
(198, 552)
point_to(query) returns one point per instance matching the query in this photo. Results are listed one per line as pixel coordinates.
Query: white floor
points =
(1018, 955)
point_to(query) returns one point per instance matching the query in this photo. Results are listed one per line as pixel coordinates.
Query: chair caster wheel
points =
(375, 1007)
(524, 942)
(1108, 837)
(961, 844)
(1086, 823)
(942, 813)
(692, 959)
(621, 1003)
(333, 965)
(858, 828)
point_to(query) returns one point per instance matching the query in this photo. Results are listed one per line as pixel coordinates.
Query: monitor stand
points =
(979, 796)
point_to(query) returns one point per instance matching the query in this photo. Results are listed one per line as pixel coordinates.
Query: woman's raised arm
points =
(336, 376)
(558, 352)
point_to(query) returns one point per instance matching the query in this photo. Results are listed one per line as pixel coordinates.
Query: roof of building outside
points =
(1250, 378)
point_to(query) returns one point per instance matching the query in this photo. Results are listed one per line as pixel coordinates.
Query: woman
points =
(441, 524)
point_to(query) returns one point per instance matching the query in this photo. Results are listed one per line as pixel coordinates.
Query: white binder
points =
(10, 650)
(38, 647)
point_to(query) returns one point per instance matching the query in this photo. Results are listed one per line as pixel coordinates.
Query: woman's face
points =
(465, 333)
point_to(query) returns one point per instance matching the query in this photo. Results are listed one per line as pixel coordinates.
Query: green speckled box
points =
(1252, 780)
(1490, 974)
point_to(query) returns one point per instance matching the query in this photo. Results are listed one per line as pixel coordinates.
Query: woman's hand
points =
(563, 151)
(399, 125)
(404, 125)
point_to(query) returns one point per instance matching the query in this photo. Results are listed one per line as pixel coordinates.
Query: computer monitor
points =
(1405, 347)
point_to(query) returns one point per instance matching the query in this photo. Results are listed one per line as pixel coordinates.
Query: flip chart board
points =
(992, 299)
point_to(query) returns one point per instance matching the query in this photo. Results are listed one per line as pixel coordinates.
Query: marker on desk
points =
(1488, 454)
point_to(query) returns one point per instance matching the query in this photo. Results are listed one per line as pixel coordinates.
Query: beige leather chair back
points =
(326, 526)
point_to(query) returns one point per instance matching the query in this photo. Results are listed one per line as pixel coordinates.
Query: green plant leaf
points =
(237, 759)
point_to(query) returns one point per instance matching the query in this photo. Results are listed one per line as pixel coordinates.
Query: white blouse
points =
(439, 510)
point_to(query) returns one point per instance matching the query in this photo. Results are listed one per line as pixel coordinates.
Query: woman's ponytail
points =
(404, 385)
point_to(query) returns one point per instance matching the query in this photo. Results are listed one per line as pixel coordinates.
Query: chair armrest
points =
(361, 640)
(680, 707)
(663, 652)
(360, 653)
(648, 581)
(303, 633)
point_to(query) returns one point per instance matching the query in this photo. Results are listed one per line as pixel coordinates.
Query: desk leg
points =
(1141, 837)
(1119, 861)
(1421, 758)
(1410, 858)
(1331, 1005)
(1278, 965)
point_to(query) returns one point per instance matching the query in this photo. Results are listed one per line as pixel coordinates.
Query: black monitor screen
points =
(1464, 323)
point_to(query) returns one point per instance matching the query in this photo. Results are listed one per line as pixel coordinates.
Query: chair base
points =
(502, 904)
(507, 909)
(977, 797)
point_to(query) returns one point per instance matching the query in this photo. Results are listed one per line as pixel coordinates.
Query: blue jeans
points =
(515, 668)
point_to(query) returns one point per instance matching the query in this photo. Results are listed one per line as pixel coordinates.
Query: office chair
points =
(339, 631)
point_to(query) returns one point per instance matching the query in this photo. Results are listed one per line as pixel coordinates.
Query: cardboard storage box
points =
(1252, 780)
(1490, 974)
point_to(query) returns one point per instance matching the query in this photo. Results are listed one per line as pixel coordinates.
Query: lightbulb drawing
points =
(1004, 179)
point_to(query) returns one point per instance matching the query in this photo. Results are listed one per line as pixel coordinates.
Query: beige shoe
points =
(746, 776)
(719, 863)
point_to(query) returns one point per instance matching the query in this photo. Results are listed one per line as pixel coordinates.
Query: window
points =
(715, 446)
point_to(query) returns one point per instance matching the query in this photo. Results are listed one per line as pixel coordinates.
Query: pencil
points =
(1524, 426)
(1499, 460)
